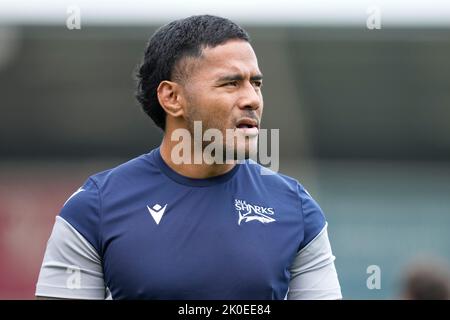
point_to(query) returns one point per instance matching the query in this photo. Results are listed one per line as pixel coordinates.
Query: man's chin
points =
(244, 153)
(241, 155)
(246, 150)
(236, 151)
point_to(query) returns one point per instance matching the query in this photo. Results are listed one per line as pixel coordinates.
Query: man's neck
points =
(191, 170)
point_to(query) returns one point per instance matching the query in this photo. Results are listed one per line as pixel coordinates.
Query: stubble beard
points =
(228, 147)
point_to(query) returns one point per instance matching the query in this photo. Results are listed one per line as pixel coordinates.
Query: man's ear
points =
(170, 98)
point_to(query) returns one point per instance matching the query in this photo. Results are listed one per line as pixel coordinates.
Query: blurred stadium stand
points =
(364, 122)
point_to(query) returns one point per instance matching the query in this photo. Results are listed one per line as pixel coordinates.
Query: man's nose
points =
(250, 98)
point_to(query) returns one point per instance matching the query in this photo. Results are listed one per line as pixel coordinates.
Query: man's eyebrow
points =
(238, 77)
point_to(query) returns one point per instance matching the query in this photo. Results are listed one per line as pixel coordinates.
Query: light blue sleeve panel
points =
(71, 268)
(313, 274)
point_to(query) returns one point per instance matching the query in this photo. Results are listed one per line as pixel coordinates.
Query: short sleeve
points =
(313, 273)
(313, 217)
(71, 268)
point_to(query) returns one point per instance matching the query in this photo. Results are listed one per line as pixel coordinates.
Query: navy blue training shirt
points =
(161, 235)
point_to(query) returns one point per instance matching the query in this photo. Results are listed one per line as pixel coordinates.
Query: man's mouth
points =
(248, 126)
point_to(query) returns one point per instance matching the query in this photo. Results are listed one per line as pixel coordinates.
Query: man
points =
(160, 228)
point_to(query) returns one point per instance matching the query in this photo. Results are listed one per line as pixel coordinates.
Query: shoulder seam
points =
(303, 216)
(100, 216)
(325, 227)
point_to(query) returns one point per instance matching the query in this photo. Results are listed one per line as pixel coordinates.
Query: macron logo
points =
(157, 212)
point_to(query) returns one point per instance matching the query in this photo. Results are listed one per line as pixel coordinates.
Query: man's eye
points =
(257, 84)
(231, 84)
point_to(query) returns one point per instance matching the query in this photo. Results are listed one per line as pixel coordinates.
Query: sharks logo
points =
(250, 212)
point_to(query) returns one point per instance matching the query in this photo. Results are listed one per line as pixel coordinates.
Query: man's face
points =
(223, 91)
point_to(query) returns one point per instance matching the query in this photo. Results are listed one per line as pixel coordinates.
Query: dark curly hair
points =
(169, 45)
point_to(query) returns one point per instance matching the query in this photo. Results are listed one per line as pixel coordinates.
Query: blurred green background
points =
(364, 119)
